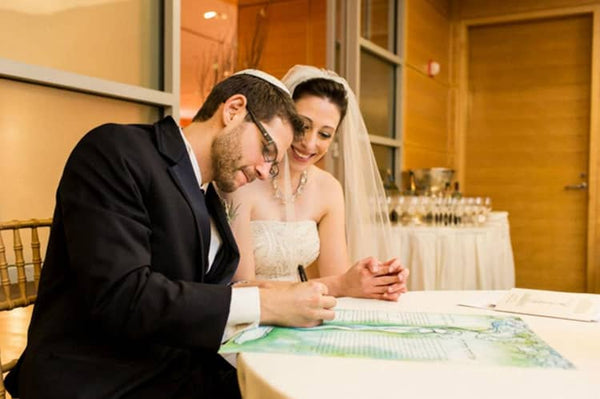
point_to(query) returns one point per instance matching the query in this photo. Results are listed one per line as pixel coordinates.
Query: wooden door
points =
(527, 138)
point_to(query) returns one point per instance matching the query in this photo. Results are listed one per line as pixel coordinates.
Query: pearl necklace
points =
(279, 195)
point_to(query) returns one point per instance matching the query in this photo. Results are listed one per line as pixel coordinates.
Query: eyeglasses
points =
(269, 148)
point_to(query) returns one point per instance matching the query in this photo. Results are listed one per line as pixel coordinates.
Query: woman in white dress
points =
(298, 217)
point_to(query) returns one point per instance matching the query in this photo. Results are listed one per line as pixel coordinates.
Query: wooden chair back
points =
(20, 292)
(16, 289)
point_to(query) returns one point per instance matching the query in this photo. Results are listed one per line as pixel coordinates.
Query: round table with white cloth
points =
(280, 375)
(458, 258)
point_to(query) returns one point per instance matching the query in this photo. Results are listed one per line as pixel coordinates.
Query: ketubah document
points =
(470, 339)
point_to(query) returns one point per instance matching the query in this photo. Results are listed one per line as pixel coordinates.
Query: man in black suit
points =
(134, 296)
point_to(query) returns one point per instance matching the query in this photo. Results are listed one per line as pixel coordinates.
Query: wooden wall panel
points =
(426, 125)
(427, 37)
(295, 34)
(427, 131)
(419, 157)
(486, 8)
(444, 7)
(593, 259)
(593, 282)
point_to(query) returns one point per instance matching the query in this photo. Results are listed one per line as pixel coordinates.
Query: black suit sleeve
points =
(103, 202)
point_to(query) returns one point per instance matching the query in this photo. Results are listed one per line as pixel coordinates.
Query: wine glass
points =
(487, 204)
(479, 211)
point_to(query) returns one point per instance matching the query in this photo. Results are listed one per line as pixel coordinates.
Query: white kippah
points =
(266, 77)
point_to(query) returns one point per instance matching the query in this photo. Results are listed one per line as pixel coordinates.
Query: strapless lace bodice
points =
(279, 247)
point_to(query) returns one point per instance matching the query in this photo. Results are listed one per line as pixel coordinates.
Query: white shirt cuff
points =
(244, 310)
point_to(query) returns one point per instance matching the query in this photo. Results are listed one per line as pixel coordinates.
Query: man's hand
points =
(369, 278)
(296, 305)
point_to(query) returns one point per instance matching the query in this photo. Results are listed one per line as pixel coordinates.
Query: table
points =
(267, 376)
(458, 258)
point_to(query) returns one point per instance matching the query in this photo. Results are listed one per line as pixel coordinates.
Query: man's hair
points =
(324, 88)
(265, 100)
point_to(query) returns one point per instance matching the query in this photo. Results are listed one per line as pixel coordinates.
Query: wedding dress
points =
(280, 246)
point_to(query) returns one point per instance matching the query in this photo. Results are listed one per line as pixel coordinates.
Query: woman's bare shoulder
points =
(329, 192)
(326, 182)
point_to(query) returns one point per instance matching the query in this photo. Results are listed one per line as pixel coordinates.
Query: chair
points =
(17, 290)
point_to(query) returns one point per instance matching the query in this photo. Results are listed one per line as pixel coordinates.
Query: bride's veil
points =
(368, 229)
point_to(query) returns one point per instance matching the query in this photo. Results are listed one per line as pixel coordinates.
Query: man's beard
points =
(226, 157)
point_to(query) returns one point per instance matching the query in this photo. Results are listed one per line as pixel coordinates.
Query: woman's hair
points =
(323, 88)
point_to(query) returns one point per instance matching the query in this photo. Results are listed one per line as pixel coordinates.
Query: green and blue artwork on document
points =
(475, 339)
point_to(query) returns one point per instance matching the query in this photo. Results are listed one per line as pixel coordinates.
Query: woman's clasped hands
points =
(371, 278)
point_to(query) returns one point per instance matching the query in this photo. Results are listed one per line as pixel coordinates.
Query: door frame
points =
(461, 112)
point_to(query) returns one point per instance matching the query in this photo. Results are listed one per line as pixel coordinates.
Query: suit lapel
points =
(171, 145)
(186, 181)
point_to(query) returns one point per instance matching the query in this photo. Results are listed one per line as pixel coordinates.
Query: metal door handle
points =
(581, 186)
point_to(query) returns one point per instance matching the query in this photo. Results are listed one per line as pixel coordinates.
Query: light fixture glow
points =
(210, 14)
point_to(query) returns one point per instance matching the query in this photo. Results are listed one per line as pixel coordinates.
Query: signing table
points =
(458, 258)
(264, 375)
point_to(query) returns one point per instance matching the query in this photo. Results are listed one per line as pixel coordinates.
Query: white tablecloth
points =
(458, 258)
(295, 376)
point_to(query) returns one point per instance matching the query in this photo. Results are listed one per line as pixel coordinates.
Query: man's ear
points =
(234, 107)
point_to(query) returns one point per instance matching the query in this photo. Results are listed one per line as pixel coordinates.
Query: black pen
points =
(302, 273)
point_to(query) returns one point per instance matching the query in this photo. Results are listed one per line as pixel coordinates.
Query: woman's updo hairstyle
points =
(323, 88)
